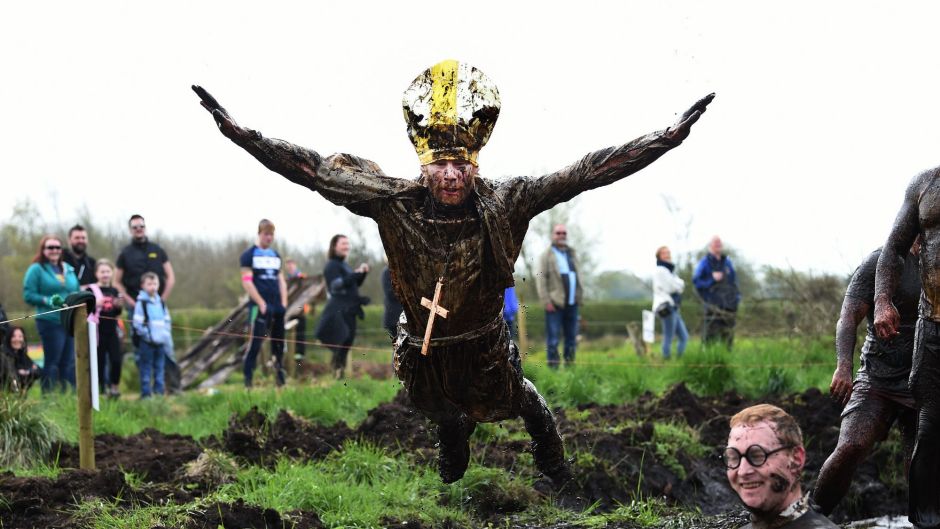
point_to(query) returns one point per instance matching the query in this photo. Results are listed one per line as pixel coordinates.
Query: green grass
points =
(756, 366)
(358, 487)
(612, 376)
(641, 512)
(99, 514)
(671, 438)
(365, 486)
(26, 433)
(200, 415)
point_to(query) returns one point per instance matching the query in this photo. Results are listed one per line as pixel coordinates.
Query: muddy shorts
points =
(870, 397)
(477, 373)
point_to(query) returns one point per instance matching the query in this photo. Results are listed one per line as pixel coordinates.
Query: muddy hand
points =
(680, 130)
(226, 124)
(841, 387)
(887, 321)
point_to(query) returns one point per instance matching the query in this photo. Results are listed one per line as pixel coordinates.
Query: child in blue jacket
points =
(152, 335)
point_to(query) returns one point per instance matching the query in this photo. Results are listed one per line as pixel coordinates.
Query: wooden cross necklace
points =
(433, 304)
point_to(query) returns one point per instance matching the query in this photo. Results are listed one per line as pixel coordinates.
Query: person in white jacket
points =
(667, 297)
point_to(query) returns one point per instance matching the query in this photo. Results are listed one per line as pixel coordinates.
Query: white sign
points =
(93, 362)
(649, 326)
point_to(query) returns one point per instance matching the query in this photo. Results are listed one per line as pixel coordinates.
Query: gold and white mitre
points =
(450, 109)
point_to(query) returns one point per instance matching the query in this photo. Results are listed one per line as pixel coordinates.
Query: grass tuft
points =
(26, 435)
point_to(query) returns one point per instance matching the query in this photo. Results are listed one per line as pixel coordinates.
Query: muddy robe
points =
(470, 366)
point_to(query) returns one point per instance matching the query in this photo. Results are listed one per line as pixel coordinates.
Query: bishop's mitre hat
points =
(450, 110)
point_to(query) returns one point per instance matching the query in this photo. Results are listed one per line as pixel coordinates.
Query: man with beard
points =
(83, 263)
(879, 396)
(919, 216)
(764, 459)
(452, 239)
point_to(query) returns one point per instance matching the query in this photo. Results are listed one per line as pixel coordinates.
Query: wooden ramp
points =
(219, 352)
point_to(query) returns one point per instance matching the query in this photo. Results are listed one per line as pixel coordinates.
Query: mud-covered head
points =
(450, 110)
(450, 181)
(764, 459)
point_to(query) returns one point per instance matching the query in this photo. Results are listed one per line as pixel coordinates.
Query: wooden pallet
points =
(222, 347)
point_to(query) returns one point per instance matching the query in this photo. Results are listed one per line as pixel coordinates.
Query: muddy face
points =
(450, 181)
(769, 488)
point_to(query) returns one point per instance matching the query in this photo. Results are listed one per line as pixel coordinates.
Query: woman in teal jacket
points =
(46, 284)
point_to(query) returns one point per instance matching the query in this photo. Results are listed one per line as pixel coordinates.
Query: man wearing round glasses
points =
(764, 459)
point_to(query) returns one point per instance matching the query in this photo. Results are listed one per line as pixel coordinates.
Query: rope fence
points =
(247, 336)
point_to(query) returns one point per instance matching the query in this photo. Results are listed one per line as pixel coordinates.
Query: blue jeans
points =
(674, 326)
(58, 355)
(561, 320)
(151, 359)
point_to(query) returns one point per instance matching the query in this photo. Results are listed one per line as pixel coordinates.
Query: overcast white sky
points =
(825, 110)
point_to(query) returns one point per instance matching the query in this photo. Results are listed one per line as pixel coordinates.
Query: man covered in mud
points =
(764, 459)
(879, 396)
(919, 216)
(452, 239)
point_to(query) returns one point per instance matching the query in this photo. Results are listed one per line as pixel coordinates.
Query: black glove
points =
(67, 317)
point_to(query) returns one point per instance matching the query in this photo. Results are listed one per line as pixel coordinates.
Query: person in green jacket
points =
(46, 284)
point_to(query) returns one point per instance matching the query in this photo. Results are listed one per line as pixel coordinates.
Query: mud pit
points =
(613, 448)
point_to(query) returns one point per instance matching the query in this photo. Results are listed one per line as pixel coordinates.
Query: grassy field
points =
(608, 375)
(365, 486)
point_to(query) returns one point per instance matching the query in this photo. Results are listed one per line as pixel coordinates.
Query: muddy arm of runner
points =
(853, 312)
(606, 166)
(343, 179)
(903, 232)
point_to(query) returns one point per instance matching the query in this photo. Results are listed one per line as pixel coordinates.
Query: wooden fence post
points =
(86, 433)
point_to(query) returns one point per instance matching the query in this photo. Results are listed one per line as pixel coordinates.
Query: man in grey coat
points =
(560, 292)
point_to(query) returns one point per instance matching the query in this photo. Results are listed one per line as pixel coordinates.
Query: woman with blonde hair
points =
(667, 296)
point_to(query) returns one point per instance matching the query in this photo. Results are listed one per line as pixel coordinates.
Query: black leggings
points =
(924, 509)
(341, 351)
(110, 354)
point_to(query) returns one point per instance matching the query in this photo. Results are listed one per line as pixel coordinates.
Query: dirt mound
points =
(680, 402)
(153, 455)
(397, 424)
(43, 502)
(240, 515)
(253, 438)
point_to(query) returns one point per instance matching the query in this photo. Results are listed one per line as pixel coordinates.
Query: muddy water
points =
(884, 522)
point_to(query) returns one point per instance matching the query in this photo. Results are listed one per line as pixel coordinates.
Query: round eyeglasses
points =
(756, 455)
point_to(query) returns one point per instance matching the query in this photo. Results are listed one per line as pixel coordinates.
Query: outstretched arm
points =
(853, 312)
(606, 166)
(295, 163)
(343, 179)
(905, 230)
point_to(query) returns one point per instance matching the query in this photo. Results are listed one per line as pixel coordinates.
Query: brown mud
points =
(243, 516)
(615, 451)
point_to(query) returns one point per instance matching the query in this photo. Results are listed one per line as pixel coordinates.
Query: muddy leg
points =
(924, 509)
(867, 420)
(454, 427)
(547, 448)
(907, 424)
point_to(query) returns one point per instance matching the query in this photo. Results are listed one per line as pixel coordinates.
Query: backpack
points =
(135, 336)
